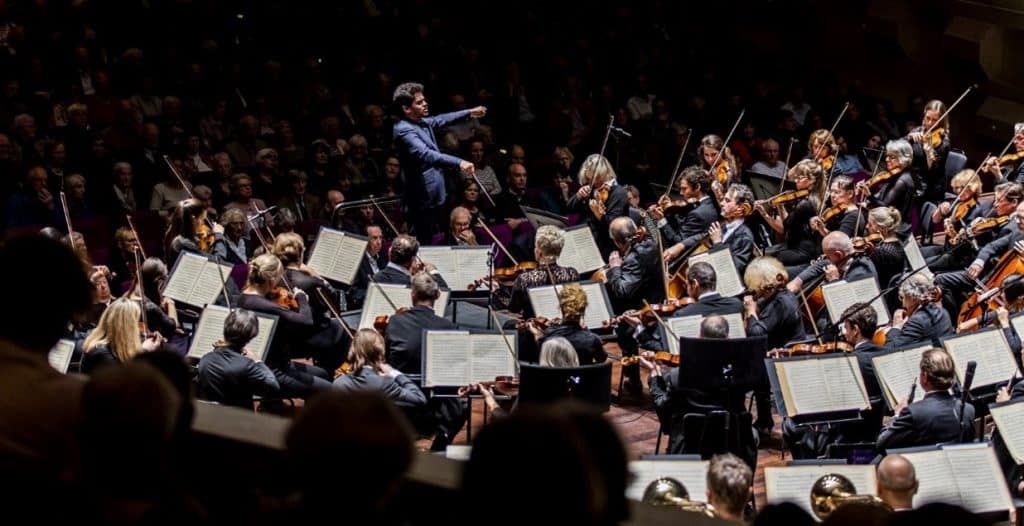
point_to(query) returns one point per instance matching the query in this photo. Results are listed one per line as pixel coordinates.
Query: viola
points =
(786, 197)
(803, 349)
(284, 298)
(510, 273)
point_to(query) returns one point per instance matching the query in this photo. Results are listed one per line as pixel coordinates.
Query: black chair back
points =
(589, 383)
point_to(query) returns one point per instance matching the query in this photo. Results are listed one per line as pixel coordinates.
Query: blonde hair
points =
(596, 170)
(573, 301)
(550, 241)
(118, 329)
(289, 247)
(822, 136)
(886, 218)
(265, 268)
(968, 179)
(812, 169)
(764, 272)
(367, 350)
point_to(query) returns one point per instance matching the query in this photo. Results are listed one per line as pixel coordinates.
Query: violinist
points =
(371, 373)
(772, 311)
(844, 215)
(799, 245)
(725, 171)
(882, 244)
(405, 263)
(597, 180)
(231, 374)
(160, 311)
(966, 186)
(735, 233)
(403, 340)
(1011, 301)
(572, 302)
(840, 261)
(296, 379)
(1009, 167)
(234, 246)
(116, 338)
(547, 247)
(822, 149)
(193, 232)
(896, 187)
(681, 233)
(921, 321)
(930, 151)
(634, 273)
(122, 258)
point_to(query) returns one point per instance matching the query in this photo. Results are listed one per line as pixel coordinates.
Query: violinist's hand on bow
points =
(899, 318)
(597, 207)
(656, 212)
(715, 233)
(535, 331)
(614, 259)
(152, 342)
(759, 208)
(583, 192)
(831, 272)
(917, 137)
(945, 208)
(862, 190)
(818, 226)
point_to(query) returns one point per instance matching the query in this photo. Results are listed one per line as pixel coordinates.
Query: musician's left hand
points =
(715, 233)
(478, 112)
(899, 318)
(597, 208)
(831, 272)
(614, 259)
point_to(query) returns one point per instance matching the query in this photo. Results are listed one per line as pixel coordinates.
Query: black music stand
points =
(728, 366)
(590, 383)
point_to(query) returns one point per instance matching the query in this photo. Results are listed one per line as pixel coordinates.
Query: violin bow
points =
(728, 138)
(664, 266)
(174, 171)
(335, 313)
(661, 322)
(382, 292)
(950, 108)
(385, 216)
(138, 240)
(1001, 154)
(67, 220)
(497, 242)
(483, 189)
(140, 292)
(607, 133)
(501, 331)
(789, 153)
(679, 162)
(832, 131)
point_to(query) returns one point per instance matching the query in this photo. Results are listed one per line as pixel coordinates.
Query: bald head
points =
(897, 481)
(621, 229)
(837, 241)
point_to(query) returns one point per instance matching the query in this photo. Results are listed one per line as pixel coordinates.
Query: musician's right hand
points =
(759, 208)
(583, 192)
(749, 306)
(656, 212)
(1003, 395)
(1019, 247)
(974, 270)
(467, 167)
(672, 252)
(945, 207)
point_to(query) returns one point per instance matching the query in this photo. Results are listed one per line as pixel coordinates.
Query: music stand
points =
(765, 186)
(730, 366)
(543, 385)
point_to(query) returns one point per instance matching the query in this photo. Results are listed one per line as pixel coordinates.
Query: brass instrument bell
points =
(667, 491)
(834, 490)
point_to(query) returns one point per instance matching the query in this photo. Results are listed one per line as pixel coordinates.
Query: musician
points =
(1014, 473)
(420, 157)
(296, 379)
(231, 374)
(822, 149)
(681, 233)
(116, 338)
(922, 320)
(234, 246)
(1011, 301)
(730, 481)
(841, 262)
(370, 372)
(404, 344)
(193, 233)
(160, 311)
(966, 185)
(373, 261)
(725, 171)
(572, 302)
(958, 284)
(800, 245)
(859, 324)
(548, 245)
(735, 233)
(900, 188)
(597, 176)
(405, 263)
(897, 482)
(849, 219)
(887, 255)
(460, 228)
(772, 311)
(122, 259)
(934, 419)
(634, 273)
(930, 151)
(1010, 167)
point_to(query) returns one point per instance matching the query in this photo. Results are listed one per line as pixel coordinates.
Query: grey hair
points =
(902, 150)
(424, 287)
(558, 352)
(550, 240)
(121, 164)
(1018, 128)
(715, 326)
(918, 286)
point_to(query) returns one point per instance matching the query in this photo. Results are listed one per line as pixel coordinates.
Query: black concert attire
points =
(616, 206)
(227, 377)
(802, 243)
(588, 345)
(778, 318)
(400, 389)
(933, 180)
(926, 326)
(935, 419)
(326, 341)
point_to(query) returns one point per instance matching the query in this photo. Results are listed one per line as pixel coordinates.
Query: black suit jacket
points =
(587, 344)
(356, 294)
(779, 319)
(713, 303)
(689, 229)
(638, 278)
(400, 389)
(926, 326)
(741, 245)
(404, 337)
(227, 377)
(933, 420)
(617, 205)
(655, 339)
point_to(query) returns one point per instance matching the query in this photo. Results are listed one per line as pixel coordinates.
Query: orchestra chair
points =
(955, 161)
(588, 383)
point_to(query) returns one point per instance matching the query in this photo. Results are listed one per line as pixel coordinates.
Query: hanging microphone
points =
(910, 398)
(620, 131)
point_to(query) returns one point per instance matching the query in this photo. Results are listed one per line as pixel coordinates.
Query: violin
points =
(676, 207)
(540, 322)
(205, 237)
(831, 212)
(985, 225)
(961, 210)
(803, 349)
(650, 313)
(1002, 160)
(510, 273)
(866, 244)
(284, 297)
(827, 163)
(380, 323)
(506, 385)
(722, 173)
(661, 357)
(601, 194)
(880, 178)
(786, 197)
(935, 137)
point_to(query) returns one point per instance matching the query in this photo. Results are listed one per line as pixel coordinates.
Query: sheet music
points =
(60, 356)
(839, 295)
(210, 284)
(491, 357)
(692, 473)
(376, 303)
(1009, 420)
(459, 266)
(186, 272)
(260, 344)
(446, 356)
(1017, 322)
(966, 475)
(728, 283)
(794, 483)
(822, 385)
(914, 257)
(337, 255)
(545, 303)
(211, 328)
(689, 326)
(987, 347)
(580, 250)
(841, 391)
(897, 371)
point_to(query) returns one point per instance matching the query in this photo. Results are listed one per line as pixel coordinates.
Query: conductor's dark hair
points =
(50, 287)
(405, 92)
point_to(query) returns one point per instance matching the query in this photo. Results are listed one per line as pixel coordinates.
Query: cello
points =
(1012, 262)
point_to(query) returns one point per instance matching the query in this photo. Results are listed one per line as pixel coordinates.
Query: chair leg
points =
(657, 443)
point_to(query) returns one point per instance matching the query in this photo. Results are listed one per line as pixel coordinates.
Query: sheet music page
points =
(347, 258)
(545, 302)
(261, 343)
(441, 304)
(937, 482)
(183, 279)
(897, 371)
(988, 348)
(598, 308)
(1017, 322)
(846, 388)
(210, 284)
(444, 259)
(491, 357)
(471, 265)
(868, 288)
(325, 249)
(376, 303)
(981, 482)
(209, 329)
(60, 356)
(1009, 420)
(728, 283)
(692, 473)
(839, 295)
(736, 328)
(683, 326)
(794, 483)
(447, 358)
(804, 382)
(914, 257)
(580, 251)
